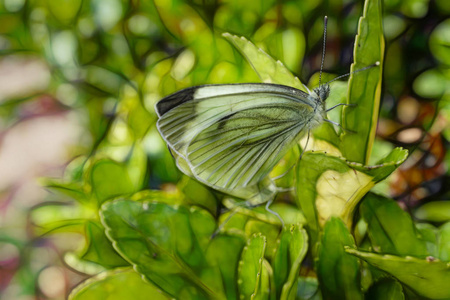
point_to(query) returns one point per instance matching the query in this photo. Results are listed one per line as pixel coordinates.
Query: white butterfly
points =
(230, 136)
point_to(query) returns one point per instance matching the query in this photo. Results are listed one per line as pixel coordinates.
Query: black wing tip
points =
(175, 99)
(185, 95)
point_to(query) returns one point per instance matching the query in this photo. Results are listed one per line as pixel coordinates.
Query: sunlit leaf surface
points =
(338, 271)
(428, 277)
(117, 285)
(364, 87)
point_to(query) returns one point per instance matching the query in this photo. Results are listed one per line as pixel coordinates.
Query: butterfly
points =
(230, 136)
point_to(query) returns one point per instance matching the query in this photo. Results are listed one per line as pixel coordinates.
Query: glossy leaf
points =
(390, 229)
(437, 211)
(292, 247)
(224, 253)
(439, 40)
(110, 179)
(427, 277)
(387, 289)
(166, 245)
(364, 87)
(338, 272)
(99, 249)
(73, 260)
(332, 186)
(117, 284)
(444, 242)
(308, 289)
(432, 83)
(198, 194)
(250, 283)
(57, 217)
(73, 190)
(430, 235)
(269, 70)
(138, 118)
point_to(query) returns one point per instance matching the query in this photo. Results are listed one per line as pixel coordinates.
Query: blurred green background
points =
(80, 78)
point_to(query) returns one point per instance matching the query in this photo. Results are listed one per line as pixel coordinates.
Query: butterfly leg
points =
(285, 173)
(273, 212)
(290, 168)
(340, 104)
(284, 190)
(337, 124)
(306, 145)
(232, 213)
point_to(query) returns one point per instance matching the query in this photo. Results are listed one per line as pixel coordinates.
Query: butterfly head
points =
(323, 91)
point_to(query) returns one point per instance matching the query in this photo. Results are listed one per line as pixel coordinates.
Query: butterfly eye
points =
(323, 92)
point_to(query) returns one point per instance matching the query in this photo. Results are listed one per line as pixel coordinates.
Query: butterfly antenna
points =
(376, 64)
(325, 22)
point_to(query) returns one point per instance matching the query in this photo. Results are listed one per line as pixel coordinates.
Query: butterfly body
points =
(231, 136)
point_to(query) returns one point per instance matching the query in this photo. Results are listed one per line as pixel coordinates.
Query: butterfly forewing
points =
(231, 136)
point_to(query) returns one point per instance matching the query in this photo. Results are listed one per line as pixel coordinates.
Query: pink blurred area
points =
(37, 139)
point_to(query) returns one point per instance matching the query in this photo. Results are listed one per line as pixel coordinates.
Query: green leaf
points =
(432, 83)
(198, 194)
(55, 217)
(166, 244)
(289, 213)
(390, 229)
(427, 277)
(439, 41)
(224, 253)
(385, 166)
(364, 87)
(251, 268)
(136, 165)
(332, 186)
(269, 70)
(444, 242)
(387, 289)
(286, 44)
(99, 249)
(337, 271)
(110, 179)
(292, 247)
(308, 289)
(73, 190)
(65, 11)
(271, 232)
(138, 118)
(436, 211)
(430, 235)
(169, 197)
(74, 261)
(117, 284)
(415, 8)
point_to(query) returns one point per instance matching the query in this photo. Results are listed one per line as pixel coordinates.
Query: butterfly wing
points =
(231, 136)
